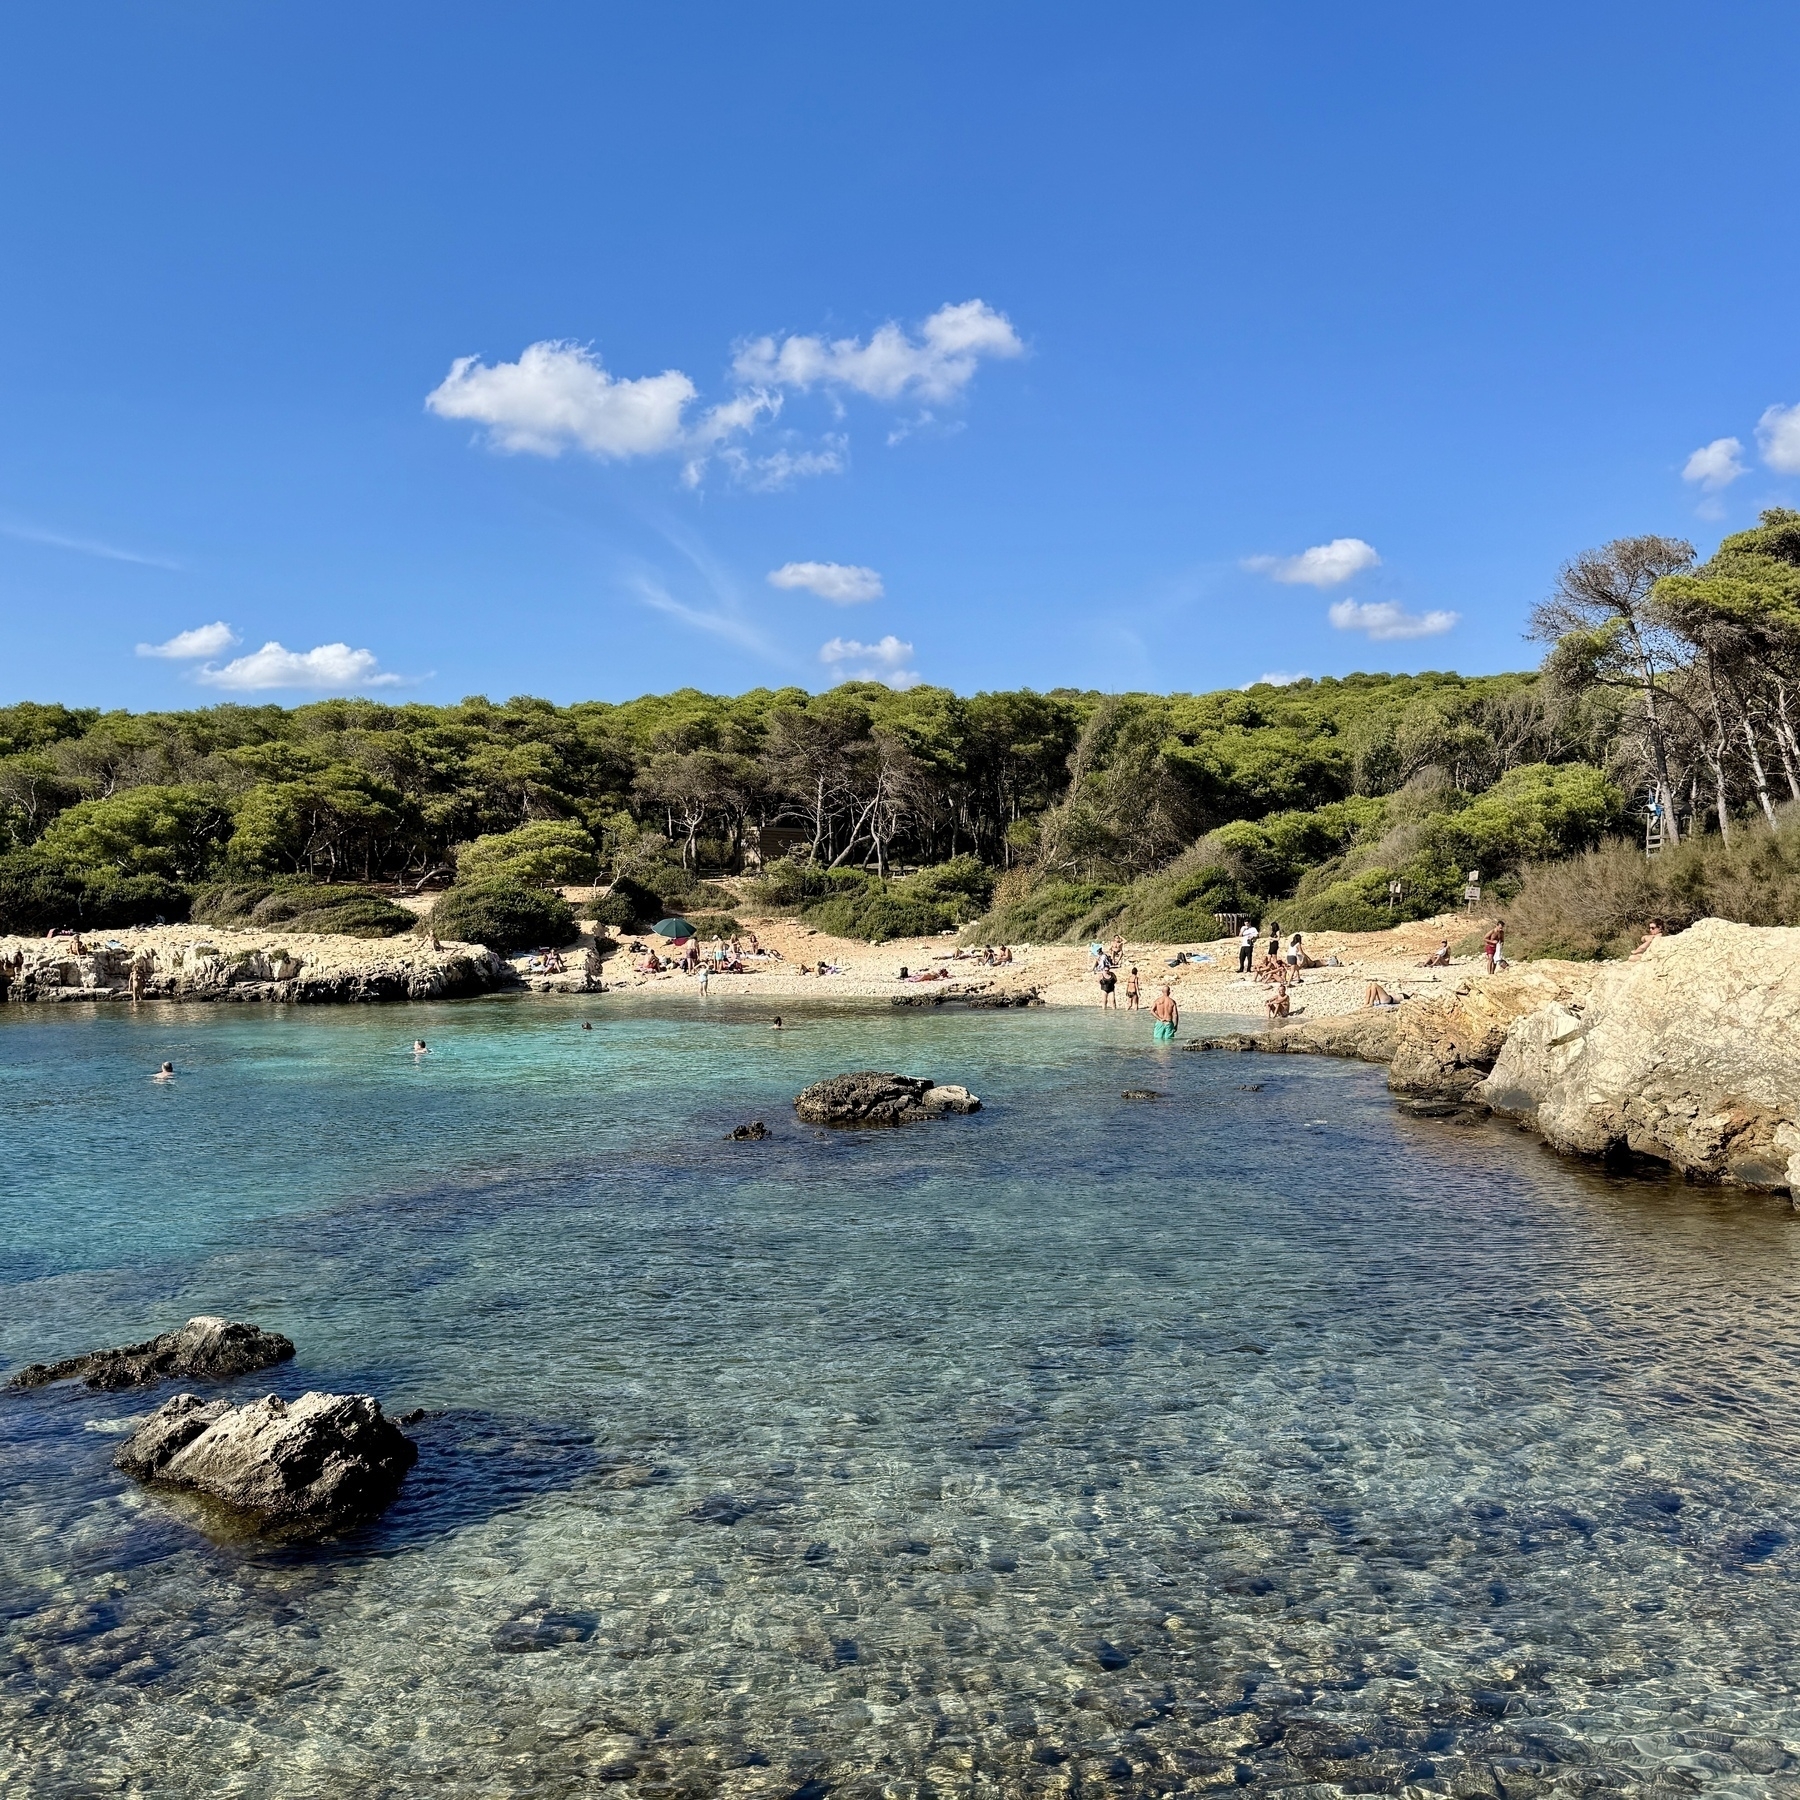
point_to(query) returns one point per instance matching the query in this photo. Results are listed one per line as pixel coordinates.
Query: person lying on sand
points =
(1376, 995)
(1439, 958)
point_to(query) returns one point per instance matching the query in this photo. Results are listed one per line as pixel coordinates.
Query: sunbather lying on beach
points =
(1376, 995)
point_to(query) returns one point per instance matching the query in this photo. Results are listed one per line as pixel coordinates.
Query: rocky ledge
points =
(309, 1465)
(191, 962)
(871, 1098)
(204, 1349)
(1689, 1055)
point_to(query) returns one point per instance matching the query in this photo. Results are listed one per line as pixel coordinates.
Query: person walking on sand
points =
(1133, 988)
(1494, 947)
(1167, 1014)
(1247, 949)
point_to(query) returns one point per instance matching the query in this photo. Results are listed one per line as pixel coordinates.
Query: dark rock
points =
(417, 1416)
(1250, 1087)
(722, 1509)
(872, 1098)
(1141, 1094)
(543, 1628)
(204, 1349)
(319, 1461)
(753, 1133)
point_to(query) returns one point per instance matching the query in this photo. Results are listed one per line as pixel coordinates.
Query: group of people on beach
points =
(1104, 963)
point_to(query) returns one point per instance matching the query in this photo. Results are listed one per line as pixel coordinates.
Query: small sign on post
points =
(1472, 889)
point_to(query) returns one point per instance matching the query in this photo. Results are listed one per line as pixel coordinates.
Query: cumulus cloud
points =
(884, 661)
(1778, 437)
(1715, 466)
(1385, 620)
(203, 640)
(1323, 566)
(842, 583)
(558, 394)
(936, 365)
(1277, 678)
(329, 667)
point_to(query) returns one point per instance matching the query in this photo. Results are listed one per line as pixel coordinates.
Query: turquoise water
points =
(1260, 1436)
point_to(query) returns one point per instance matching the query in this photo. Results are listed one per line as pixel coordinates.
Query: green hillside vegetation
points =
(1346, 803)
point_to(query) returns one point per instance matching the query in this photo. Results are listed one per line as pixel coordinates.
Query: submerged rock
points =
(320, 1461)
(872, 1098)
(204, 1349)
(1140, 1094)
(753, 1133)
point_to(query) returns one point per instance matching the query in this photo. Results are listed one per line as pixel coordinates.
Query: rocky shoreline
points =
(203, 963)
(1689, 1056)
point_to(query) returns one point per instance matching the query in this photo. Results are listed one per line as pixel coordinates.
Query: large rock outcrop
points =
(319, 1462)
(1363, 1037)
(192, 962)
(204, 1349)
(872, 1098)
(1690, 1055)
(1445, 1045)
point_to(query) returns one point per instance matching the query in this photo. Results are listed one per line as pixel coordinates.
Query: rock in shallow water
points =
(872, 1098)
(204, 1349)
(322, 1460)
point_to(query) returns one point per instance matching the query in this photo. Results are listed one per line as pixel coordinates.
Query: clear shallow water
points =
(1251, 1438)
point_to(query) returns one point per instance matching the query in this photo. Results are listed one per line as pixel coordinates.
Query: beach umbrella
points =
(675, 928)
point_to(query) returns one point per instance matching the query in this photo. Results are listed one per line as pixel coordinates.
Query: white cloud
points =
(1277, 678)
(842, 583)
(557, 394)
(937, 365)
(1323, 566)
(719, 624)
(203, 640)
(1778, 437)
(330, 666)
(1385, 620)
(1714, 466)
(884, 661)
(57, 540)
(764, 474)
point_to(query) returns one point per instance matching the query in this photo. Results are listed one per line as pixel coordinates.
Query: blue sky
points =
(1038, 344)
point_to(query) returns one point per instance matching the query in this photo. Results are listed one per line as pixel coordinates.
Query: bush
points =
(544, 853)
(318, 907)
(875, 914)
(791, 881)
(713, 924)
(37, 895)
(504, 915)
(1044, 913)
(1597, 905)
(1179, 905)
(709, 896)
(628, 905)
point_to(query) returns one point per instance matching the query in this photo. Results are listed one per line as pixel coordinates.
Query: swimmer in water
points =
(165, 1073)
(420, 1047)
(585, 1026)
(776, 1022)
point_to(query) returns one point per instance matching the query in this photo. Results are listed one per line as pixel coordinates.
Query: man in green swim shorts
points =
(1167, 1016)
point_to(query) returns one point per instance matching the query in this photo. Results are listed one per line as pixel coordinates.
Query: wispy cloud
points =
(329, 667)
(203, 640)
(844, 584)
(721, 624)
(884, 661)
(1385, 620)
(1778, 437)
(1323, 566)
(937, 365)
(57, 540)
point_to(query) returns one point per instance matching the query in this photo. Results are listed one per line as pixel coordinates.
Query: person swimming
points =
(165, 1073)
(420, 1047)
(775, 1022)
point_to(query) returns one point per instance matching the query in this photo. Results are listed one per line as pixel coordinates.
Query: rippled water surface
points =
(1257, 1436)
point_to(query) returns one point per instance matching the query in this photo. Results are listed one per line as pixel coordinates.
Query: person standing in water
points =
(1108, 981)
(1167, 1014)
(1133, 988)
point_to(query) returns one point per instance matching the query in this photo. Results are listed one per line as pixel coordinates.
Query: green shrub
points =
(321, 908)
(544, 853)
(790, 881)
(1045, 913)
(875, 914)
(628, 905)
(38, 895)
(713, 924)
(709, 896)
(504, 915)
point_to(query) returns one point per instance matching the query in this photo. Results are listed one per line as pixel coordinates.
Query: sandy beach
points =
(1061, 974)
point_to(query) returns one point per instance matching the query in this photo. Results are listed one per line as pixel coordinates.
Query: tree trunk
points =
(1784, 736)
(1756, 770)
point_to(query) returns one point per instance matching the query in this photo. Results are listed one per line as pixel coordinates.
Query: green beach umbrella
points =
(675, 928)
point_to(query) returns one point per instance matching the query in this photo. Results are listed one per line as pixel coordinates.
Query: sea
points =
(1259, 1435)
